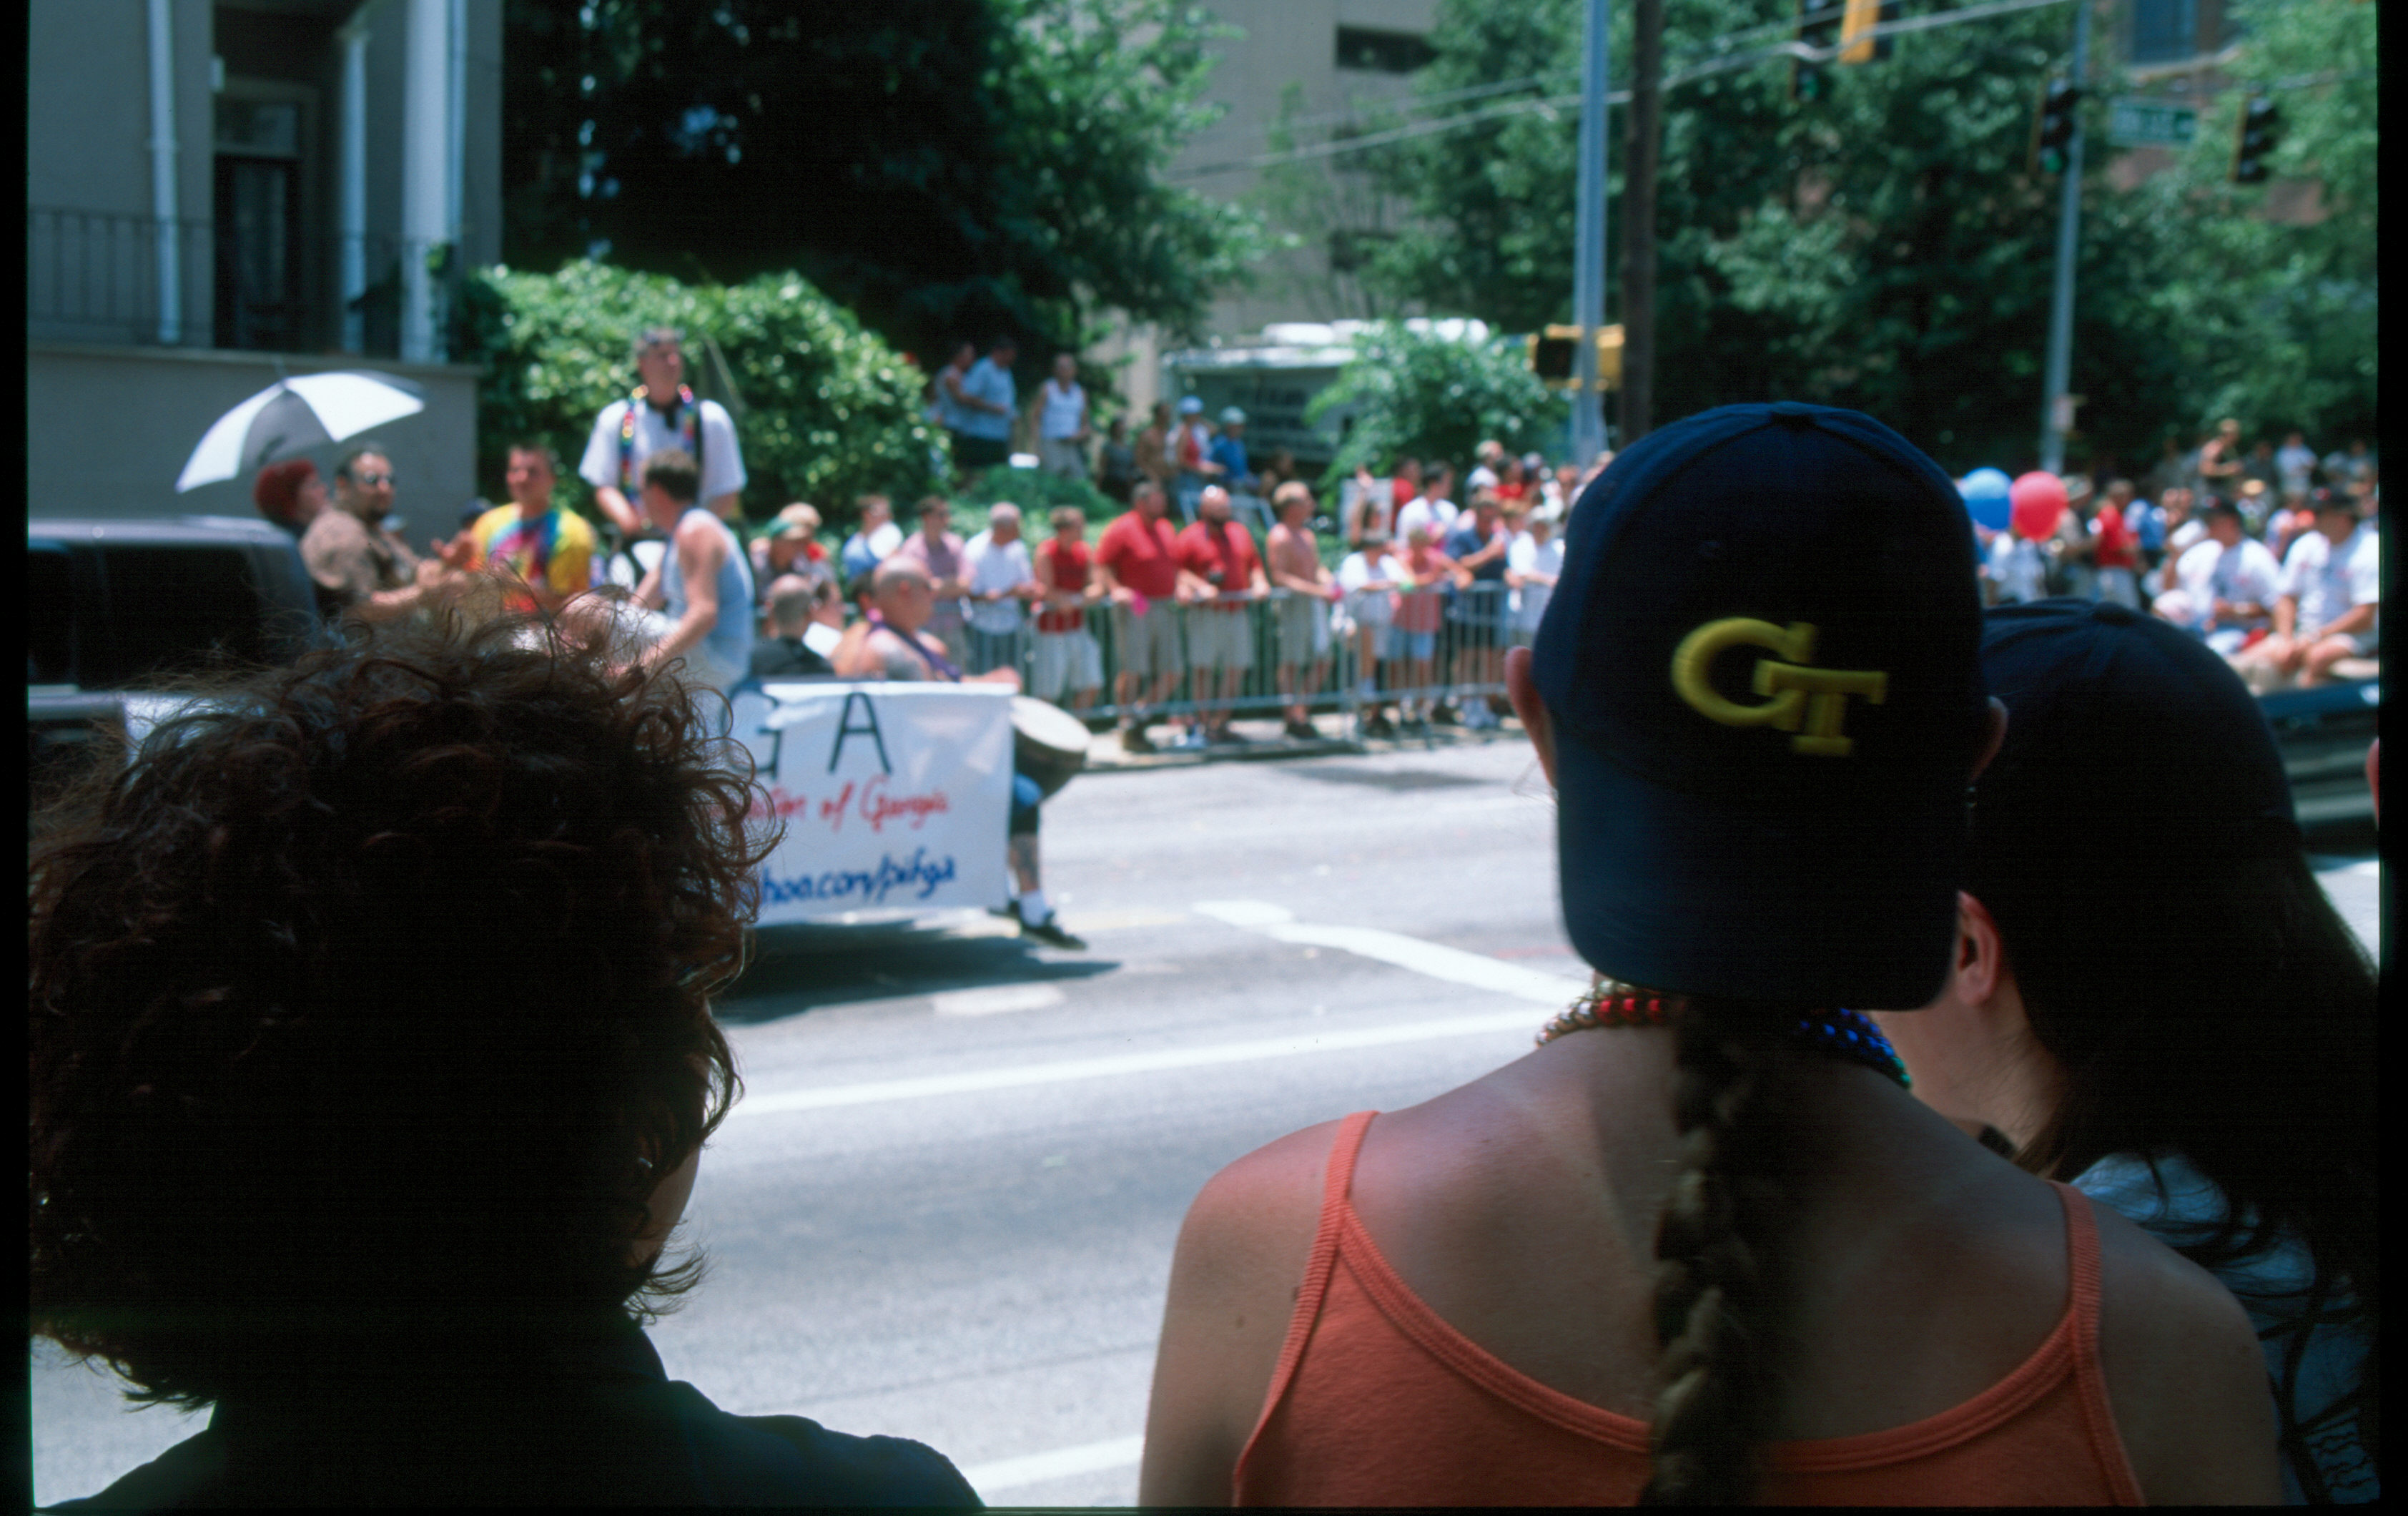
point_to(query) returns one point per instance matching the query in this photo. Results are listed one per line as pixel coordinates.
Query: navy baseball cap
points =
(1761, 663)
(2127, 739)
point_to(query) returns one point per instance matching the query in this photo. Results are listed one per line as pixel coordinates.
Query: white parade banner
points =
(894, 796)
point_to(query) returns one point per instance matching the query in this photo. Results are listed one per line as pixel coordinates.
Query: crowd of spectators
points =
(2271, 555)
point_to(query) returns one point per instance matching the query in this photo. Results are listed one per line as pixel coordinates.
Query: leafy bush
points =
(1425, 396)
(1037, 494)
(828, 411)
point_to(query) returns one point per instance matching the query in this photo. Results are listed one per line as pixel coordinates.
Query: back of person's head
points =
(677, 474)
(1292, 492)
(2135, 841)
(277, 491)
(370, 1005)
(1759, 666)
(792, 599)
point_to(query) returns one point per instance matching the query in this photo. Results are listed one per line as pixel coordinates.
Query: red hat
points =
(278, 489)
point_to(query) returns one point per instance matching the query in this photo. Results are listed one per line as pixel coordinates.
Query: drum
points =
(1048, 744)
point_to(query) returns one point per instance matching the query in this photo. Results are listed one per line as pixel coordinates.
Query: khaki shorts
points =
(1220, 639)
(1149, 645)
(1067, 662)
(1303, 629)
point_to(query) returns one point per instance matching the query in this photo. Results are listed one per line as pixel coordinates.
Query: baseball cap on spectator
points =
(277, 491)
(1233, 417)
(1761, 665)
(2321, 500)
(1191, 406)
(2165, 745)
(470, 512)
(796, 520)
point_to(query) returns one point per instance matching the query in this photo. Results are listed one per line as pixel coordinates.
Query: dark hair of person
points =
(352, 455)
(368, 1004)
(675, 472)
(2208, 1003)
(541, 449)
(1718, 1293)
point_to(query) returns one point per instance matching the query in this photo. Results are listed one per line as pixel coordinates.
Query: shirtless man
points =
(1294, 564)
(889, 643)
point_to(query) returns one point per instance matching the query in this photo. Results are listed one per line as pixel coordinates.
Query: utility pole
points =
(1638, 220)
(1589, 245)
(2056, 410)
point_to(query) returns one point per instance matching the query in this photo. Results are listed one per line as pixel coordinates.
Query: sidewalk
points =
(1265, 738)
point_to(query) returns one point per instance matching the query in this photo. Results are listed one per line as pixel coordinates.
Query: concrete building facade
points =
(219, 192)
(1299, 72)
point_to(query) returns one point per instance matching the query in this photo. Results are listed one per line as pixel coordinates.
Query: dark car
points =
(2324, 733)
(115, 608)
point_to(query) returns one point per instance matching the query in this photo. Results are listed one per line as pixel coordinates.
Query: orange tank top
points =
(1378, 1402)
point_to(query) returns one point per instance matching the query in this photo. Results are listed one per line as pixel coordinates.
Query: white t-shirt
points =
(2210, 571)
(2330, 580)
(1420, 511)
(723, 462)
(1369, 608)
(2018, 568)
(1527, 555)
(1061, 411)
(993, 566)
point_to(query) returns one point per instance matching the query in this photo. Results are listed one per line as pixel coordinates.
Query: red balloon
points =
(2036, 502)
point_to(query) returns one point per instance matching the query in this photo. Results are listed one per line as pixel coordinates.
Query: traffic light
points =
(1860, 16)
(1553, 351)
(2261, 124)
(2053, 127)
(1818, 21)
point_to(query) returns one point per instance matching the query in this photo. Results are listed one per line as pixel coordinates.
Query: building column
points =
(163, 173)
(426, 142)
(353, 169)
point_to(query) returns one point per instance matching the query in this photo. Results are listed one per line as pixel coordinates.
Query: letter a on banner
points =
(844, 728)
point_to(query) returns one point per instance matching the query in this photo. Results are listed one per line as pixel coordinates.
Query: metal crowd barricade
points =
(1323, 646)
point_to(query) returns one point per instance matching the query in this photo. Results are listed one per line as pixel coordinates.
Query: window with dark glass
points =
(2164, 30)
(257, 213)
(1362, 49)
(169, 608)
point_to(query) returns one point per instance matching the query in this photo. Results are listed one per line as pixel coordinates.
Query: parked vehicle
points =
(115, 608)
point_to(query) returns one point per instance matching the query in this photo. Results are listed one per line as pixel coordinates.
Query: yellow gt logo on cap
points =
(1816, 698)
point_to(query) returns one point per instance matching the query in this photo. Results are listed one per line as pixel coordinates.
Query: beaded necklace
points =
(1836, 1032)
(688, 414)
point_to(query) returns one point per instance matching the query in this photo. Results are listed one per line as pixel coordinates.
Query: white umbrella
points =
(293, 415)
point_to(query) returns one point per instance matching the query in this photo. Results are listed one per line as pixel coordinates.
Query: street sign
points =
(2141, 122)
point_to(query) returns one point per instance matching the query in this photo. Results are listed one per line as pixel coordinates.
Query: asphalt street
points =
(945, 1207)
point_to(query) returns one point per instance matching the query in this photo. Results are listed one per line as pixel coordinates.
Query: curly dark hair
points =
(369, 1002)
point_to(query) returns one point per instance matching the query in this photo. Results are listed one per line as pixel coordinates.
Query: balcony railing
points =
(98, 277)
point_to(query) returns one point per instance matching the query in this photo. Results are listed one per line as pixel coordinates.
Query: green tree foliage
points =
(2273, 311)
(1428, 395)
(1889, 245)
(947, 168)
(827, 411)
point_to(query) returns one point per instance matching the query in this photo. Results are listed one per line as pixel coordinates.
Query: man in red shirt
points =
(1220, 575)
(1137, 566)
(2115, 548)
(1068, 662)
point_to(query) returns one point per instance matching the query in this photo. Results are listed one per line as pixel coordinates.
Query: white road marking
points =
(997, 999)
(1037, 1468)
(1087, 921)
(1452, 964)
(1068, 1070)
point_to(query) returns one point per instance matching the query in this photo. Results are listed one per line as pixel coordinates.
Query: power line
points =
(1728, 64)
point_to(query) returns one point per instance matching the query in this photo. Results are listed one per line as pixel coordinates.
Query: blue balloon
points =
(1985, 496)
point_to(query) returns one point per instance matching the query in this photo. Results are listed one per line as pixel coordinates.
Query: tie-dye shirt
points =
(555, 549)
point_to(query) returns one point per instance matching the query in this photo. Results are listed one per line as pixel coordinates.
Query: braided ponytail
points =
(1716, 1295)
